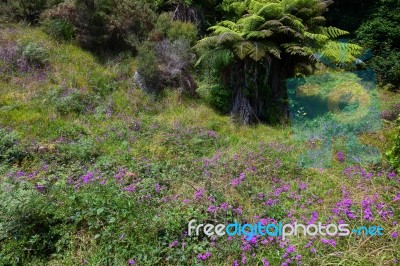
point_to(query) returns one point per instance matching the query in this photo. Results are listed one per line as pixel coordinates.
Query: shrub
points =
(111, 24)
(175, 29)
(59, 28)
(65, 11)
(167, 64)
(10, 150)
(28, 10)
(27, 224)
(391, 114)
(219, 97)
(102, 84)
(67, 101)
(381, 34)
(394, 153)
(35, 54)
(84, 149)
(147, 67)
(21, 57)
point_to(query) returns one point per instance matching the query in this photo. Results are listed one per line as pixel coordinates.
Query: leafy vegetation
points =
(95, 170)
(267, 41)
(394, 153)
(380, 33)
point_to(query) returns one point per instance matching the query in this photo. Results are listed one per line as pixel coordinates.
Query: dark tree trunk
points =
(259, 89)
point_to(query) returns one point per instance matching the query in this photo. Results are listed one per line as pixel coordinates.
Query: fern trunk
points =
(258, 89)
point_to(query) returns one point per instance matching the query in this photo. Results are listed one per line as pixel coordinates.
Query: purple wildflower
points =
(212, 209)
(199, 194)
(314, 218)
(340, 156)
(130, 188)
(329, 242)
(203, 257)
(173, 244)
(397, 197)
(344, 206)
(237, 181)
(290, 249)
(87, 177)
(366, 204)
(40, 188)
(391, 175)
(157, 187)
(302, 186)
(212, 134)
(224, 206)
(211, 199)
(244, 259)
(265, 262)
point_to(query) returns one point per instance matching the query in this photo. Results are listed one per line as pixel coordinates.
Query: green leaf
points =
(100, 211)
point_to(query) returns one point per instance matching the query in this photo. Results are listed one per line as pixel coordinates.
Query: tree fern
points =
(268, 30)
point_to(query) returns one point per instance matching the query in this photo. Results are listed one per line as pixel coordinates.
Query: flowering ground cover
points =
(96, 172)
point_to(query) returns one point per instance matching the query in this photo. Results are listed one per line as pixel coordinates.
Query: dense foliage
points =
(262, 45)
(394, 152)
(381, 33)
(166, 59)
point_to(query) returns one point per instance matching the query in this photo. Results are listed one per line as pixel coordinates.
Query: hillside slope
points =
(94, 171)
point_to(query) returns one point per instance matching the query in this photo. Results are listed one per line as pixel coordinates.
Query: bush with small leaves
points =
(28, 10)
(35, 54)
(67, 101)
(167, 64)
(174, 29)
(10, 149)
(59, 28)
(394, 153)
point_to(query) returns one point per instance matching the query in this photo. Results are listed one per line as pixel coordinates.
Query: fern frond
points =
(271, 11)
(221, 39)
(242, 49)
(250, 23)
(340, 52)
(259, 34)
(333, 32)
(228, 37)
(297, 49)
(215, 58)
(293, 21)
(229, 24)
(258, 51)
(273, 49)
(321, 38)
(221, 29)
(316, 20)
